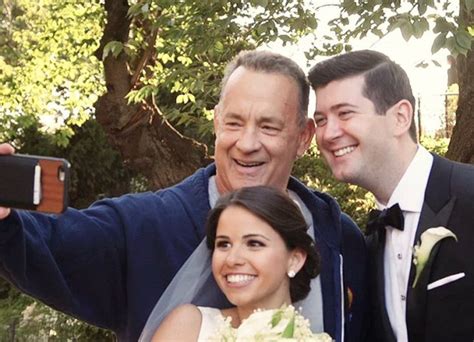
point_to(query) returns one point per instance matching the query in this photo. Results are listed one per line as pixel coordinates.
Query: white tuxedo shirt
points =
(409, 194)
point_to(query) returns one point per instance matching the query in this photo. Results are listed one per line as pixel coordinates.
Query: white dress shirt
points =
(409, 194)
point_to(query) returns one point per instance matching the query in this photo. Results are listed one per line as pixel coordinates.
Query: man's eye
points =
(320, 121)
(345, 113)
(270, 129)
(232, 124)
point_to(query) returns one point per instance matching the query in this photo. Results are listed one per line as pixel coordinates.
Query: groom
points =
(366, 132)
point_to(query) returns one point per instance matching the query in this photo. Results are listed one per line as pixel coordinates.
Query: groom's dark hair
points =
(284, 216)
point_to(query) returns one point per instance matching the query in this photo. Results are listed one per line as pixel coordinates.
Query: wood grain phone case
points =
(21, 186)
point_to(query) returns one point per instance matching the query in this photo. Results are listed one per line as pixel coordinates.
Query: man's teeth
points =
(239, 278)
(344, 151)
(248, 164)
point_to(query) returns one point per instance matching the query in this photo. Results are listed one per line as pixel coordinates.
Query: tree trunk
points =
(147, 142)
(461, 146)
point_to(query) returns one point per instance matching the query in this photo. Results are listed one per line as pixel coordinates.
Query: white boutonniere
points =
(422, 251)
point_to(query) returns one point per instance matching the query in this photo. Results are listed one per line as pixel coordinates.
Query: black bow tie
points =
(379, 219)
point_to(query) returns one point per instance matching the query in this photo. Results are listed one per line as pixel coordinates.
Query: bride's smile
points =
(250, 260)
(238, 279)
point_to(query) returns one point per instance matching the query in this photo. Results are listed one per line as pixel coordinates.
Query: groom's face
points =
(353, 138)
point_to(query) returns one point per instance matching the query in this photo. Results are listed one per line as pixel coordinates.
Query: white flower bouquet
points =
(285, 324)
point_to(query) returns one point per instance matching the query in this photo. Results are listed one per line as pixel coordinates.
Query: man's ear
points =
(402, 113)
(306, 137)
(216, 117)
(297, 260)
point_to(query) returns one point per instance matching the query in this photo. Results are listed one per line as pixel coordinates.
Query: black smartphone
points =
(34, 183)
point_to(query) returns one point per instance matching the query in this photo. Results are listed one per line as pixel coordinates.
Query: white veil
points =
(194, 283)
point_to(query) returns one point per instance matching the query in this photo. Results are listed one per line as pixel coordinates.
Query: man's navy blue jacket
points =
(109, 264)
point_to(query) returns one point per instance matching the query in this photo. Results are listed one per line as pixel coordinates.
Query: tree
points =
(454, 29)
(461, 146)
(47, 72)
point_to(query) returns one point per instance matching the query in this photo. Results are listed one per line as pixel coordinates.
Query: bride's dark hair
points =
(284, 216)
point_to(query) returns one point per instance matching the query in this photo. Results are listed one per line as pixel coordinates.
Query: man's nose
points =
(332, 129)
(249, 140)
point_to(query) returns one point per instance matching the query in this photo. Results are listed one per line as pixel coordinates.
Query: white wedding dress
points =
(210, 323)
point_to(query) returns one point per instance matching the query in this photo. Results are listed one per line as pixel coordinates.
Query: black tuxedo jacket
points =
(446, 312)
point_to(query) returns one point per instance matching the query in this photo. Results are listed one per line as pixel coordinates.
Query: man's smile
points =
(343, 151)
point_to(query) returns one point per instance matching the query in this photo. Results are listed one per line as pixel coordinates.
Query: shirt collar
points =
(410, 191)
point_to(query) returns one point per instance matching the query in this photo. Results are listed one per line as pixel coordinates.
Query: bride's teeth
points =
(344, 151)
(239, 278)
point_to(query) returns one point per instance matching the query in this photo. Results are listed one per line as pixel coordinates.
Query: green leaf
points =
(441, 25)
(407, 30)
(312, 22)
(113, 47)
(276, 318)
(469, 5)
(180, 98)
(438, 43)
(377, 32)
(290, 329)
(463, 39)
(418, 29)
(262, 3)
(422, 7)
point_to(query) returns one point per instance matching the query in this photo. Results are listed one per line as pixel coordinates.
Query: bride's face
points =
(250, 261)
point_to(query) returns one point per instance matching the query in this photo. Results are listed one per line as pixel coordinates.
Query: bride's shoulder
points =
(187, 315)
(185, 312)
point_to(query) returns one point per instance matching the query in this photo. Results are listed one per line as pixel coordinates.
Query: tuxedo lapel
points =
(436, 211)
(438, 203)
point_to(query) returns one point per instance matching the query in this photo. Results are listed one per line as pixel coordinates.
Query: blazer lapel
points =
(437, 208)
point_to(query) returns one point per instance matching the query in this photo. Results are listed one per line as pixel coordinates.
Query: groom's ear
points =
(297, 259)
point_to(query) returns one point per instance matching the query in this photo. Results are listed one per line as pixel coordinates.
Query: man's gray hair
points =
(270, 62)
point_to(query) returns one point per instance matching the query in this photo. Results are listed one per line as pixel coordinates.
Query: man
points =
(366, 132)
(110, 263)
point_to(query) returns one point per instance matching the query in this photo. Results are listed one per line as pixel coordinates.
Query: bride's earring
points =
(291, 273)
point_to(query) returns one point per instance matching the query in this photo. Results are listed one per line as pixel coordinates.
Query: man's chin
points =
(341, 176)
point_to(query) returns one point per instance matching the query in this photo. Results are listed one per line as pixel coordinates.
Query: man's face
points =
(352, 137)
(257, 131)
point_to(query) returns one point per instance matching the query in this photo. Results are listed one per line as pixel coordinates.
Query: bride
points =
(262, 258)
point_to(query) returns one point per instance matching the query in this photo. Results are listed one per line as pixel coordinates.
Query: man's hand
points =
(5, 149)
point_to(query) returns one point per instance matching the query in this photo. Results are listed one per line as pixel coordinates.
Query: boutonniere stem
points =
(422, 251)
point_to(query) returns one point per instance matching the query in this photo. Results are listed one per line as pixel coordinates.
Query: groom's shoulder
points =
(460, 177)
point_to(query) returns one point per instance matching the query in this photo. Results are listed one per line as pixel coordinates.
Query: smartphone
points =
(34, 183)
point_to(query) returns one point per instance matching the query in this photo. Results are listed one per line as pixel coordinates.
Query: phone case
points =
(23, 187)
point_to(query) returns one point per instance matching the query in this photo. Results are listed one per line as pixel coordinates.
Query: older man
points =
(109, 264)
